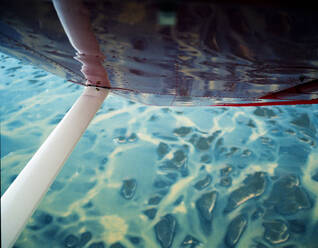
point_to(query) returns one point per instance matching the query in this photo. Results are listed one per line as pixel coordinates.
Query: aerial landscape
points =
(147, 176)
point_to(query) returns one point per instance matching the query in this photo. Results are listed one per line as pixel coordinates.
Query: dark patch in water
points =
(200, 143)
(71, 241)
(203, 183)
(155, 200)
(251, 124)
(276, 232)
(132, 138)
(135, 240)
(178, 201)
(179, 158)
(226, 181)
(235, 230)
(40, 75)
(51, 233)
(56, 186)
(315, 176)
(264, 112)
(287, 196)
(232, 151)
(13, 69)
(226, 171)
(163, 192)
(165, 230)
(129, 188)
(88, 205)
(297, 226)
(117, 245)
(189, 242)
(150, 213)
(153, 118)
(182, 131)
(85, 238)
(41, 219)
(15, 124)
(162, 150)
(302, 121)
(292, 157)
(205, 206)
(104, 160)
(220, 150)
(165, 137)
(172, 176)
(33, 81)
(206, 158)
(177, 163)
(253, 186)
(159, 183)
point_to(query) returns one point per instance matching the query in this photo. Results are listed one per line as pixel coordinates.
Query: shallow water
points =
(144, 176)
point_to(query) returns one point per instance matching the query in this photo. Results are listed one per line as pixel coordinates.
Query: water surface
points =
(145, 176)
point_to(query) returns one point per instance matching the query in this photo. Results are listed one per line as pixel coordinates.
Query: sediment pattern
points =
(144, 176)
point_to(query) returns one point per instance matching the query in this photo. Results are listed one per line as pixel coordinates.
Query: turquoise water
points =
(144, 176)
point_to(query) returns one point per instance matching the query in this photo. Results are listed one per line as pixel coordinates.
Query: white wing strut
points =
(22, 197)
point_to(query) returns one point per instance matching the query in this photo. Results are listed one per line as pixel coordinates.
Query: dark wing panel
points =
(180, 52)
